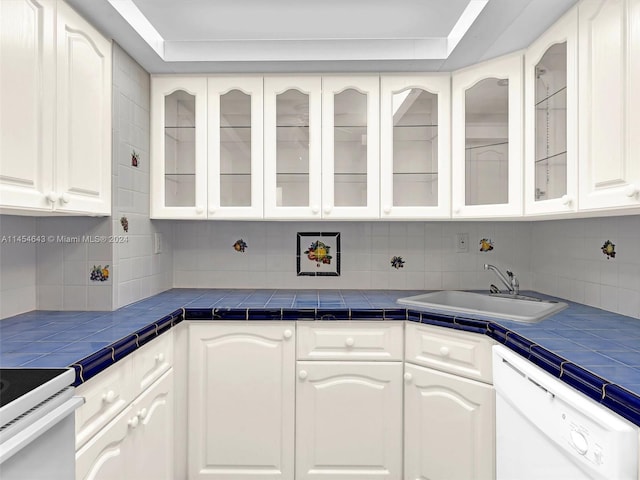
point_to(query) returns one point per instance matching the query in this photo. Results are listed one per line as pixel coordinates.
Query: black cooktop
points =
(15, 382)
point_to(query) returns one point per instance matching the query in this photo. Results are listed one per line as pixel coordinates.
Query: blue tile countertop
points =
(595, 351)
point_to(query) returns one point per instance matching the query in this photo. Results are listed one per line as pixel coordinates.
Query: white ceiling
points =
(236, 36)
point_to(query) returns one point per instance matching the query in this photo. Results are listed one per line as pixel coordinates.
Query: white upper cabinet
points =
(178, 147)
(415, 146)
(83, 123)
(487, 140)
(235, 182)
(350, 147)
(609, 68)
(551, 119)
(292, 147)
(26, 117)
(55, 112)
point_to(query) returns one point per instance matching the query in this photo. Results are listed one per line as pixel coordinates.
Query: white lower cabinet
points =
(241, 400)
(138, 443)
(349, 420)
(449, 425)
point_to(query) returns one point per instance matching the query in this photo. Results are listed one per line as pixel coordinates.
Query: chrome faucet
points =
(511, 283)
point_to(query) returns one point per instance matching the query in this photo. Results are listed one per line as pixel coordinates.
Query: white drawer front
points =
(460, 353)
(152, 360)
(105, 396)
(350, 341)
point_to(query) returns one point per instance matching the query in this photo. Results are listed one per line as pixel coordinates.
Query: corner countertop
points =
(595, 351)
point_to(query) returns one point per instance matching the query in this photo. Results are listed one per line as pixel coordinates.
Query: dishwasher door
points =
(547, 430)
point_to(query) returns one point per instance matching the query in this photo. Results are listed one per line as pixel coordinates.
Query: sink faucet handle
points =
(515, 284)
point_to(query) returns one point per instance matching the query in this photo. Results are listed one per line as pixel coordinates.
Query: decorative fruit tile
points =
(318, 254)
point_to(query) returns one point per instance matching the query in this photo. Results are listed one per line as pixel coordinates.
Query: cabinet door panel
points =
(487, 150)
(609, 173)
(83, 161)
(178, 147)
(551, 113)
(350, 147)
(415, 146)
(27, 50)
(152, 440)
(107, 455)
(292, 150)
(241, 401)
(449, 426)
(349, 420)
(235, 150)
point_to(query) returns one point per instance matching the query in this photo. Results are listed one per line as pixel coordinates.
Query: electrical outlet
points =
(157, 243)
(462, 242)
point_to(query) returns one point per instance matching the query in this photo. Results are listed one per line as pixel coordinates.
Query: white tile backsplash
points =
(138, 271)
(567, 261)
(204, 257)
(18, 275)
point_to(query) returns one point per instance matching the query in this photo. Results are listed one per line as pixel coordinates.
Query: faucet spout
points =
(511, 283)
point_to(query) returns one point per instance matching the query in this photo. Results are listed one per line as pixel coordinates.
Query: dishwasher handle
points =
(524, 375)
(16, 443)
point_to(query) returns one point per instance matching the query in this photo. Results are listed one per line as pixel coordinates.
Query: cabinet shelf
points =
(555, 156)
(487, 145)
(554, 95)
(420, 125)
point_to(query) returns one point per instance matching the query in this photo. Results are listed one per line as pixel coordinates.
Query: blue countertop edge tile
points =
(614, 396)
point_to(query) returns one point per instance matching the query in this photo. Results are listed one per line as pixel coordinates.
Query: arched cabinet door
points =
(487, 147)
(241, 399)
(348, 420)
(292, 147)
(449, 425)
(551, 120)
(83, 120)
(350, 147)
(415, 140)
(609, 127)
(178, 147)
(235, 147)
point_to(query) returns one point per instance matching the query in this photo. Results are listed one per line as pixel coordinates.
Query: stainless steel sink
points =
(516, 308)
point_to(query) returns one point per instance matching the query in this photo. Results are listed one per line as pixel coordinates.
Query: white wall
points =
(17, 266)
(204, 254)
(138, 272)
(567, 261)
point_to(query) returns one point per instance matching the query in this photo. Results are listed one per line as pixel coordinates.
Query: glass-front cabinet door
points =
(415, 146)
(235, 147)
(350, 147)
(487, 139)
(292, 150)
(551, 119)
(178, 147)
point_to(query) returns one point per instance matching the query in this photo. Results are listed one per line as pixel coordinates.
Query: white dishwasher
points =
(545, 430)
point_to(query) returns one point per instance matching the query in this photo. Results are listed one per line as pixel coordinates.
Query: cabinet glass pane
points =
(487, 142)
(551, 123)
(292, 149)
(350, 149)
(415, 148)
(235, 149)
(179, 149)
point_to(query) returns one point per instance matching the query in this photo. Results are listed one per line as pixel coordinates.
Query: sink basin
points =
(507, 308)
